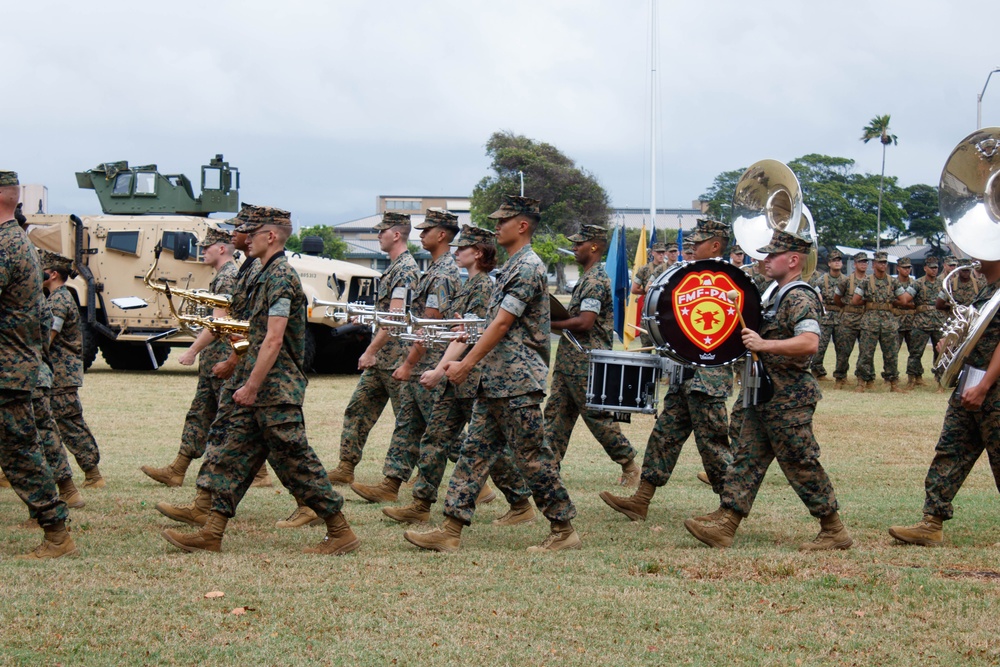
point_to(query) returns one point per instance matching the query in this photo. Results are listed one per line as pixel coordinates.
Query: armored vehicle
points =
(144, 208)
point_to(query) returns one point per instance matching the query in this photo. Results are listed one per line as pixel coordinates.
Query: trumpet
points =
(199, 297)
(431, 331)
(342, 311)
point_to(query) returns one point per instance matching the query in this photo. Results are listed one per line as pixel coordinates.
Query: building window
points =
(402, 204)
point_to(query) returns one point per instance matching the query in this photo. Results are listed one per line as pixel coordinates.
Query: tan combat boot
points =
(703, 478)
(860, 389)
(562, 537)
(634, 506)
(918, 381)
(832, 535)
(262, 478)
(895, 388)
(419, 511)
(4, 482)
(940, 388)
(630, 475)
(339, 539)
(209, 538)
(386, 491)
(717, 532)
(57, 543)
(342, 474)
(172, 475)
(486, 495)
(447, 538)
(841, 383)
(302, 516)
(927, 532)
(92, 479)
(519, 512)
(195, 514)
(870, 385)
(69, 494)
(711, 516)
(911, 381)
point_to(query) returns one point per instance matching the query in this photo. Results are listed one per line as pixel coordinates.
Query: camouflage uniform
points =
(205, 404)
(67, 368)
(879, 327)
(21, 456)
(435, 289)
(906, 315)
(376, 386)
(965, 434)
(273, 428)
(645, 276)
(782, 427)
(507, 408)
(453, 411)
(568, 397)
(963, 292)
(927, 322)
(848, 331)
(827, 286)
(45, 424)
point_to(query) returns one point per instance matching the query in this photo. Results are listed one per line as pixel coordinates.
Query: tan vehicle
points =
(113, 252)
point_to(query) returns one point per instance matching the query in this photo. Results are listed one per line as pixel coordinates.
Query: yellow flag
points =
(633, 311)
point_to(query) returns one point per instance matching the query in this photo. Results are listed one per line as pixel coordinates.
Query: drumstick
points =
(734, 296)
(639, 329)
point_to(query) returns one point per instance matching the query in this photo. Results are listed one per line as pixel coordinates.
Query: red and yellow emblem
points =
(704, 312)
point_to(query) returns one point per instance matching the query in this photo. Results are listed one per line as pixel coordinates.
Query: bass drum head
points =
(690, 317)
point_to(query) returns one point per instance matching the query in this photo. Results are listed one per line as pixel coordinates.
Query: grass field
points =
(636, 594)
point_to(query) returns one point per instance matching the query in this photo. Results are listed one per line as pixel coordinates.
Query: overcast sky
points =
(325, 105)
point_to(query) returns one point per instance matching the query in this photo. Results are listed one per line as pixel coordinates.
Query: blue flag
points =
(652, 239)
(617, 267)
(680, 241)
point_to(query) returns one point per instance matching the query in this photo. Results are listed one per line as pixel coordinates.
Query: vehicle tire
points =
(310, 355)
(123, 356)
(89, 351)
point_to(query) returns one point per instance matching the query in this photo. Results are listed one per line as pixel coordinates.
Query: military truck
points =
(144, 208)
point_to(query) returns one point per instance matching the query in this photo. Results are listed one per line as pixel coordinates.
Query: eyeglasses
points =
(250, 235)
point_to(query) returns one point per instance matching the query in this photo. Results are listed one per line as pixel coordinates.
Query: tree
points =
(923, 214)
(720, 195)
(570, 196)
(547, 247)
(333, 246)
(878, 128)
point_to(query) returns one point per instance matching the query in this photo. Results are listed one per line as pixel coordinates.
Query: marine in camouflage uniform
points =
(48, 434)
(906, 313)
(781, 428)
(67, 370)
(647, 274)
(376, 386)
(512, 387)
(267, 421)
(848, 331)
(879, 326)
(697, 404)
(927, 319)
(21, 456)
(964, 285)
(828, 284)
(971, 425)
(568, 397)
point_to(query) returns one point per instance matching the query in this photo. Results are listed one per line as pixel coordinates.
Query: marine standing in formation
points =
(646, 275)
(828, 285)
(906, 314)
(849, 330)
(927, 320)
(879, 325)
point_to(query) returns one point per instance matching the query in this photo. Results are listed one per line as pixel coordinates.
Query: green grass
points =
(637, 593)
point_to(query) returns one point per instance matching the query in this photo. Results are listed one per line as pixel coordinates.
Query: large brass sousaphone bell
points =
(768, 197)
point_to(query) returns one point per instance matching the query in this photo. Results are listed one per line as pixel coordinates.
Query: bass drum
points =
(690, 317)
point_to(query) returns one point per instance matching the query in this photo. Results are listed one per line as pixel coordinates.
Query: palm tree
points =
(878, 128)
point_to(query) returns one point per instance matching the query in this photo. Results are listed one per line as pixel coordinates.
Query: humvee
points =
(144, 208)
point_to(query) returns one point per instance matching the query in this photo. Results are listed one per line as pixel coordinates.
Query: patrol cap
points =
(708, 229)
(472, 235)
(782, 241)
(661, 247)
(951, 260)
(513, 205)
(53, 260)
(590, 233)
(8, 178)
(390, 220)
(215, 235)
(964, 263)
(931, 262)
(881, 256)
(860, 256)
(438, 217)
(904, 263)
(258, 216)
(736, 250)
(835, 256)
(670, 246)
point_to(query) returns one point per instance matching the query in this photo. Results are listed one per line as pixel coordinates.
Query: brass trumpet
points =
(431, 331)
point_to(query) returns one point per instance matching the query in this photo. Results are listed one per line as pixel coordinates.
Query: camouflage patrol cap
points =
(782, 241)
(473, 235)
(904, 263)
(258, 216)
(964, 263)
(589, 233)
(736, 250)
(931, 262)
(661, 247)
(708, 229)
(390, 220)
(215, 235)
(53, 260)
(881, 256)
(512, 205)
(438, 217)
(861, 256)
(8, 178)
(950, 260)
(671, 246)
(835, 256)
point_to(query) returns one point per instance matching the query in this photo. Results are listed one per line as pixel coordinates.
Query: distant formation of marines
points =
(247, 410)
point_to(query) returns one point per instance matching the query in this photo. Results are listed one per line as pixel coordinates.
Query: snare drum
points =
(623, 381)
(690, 317)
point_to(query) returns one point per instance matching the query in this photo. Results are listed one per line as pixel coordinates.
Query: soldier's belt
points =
(924, 309)
(853, 309)
(878, 306)
(832, 308)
